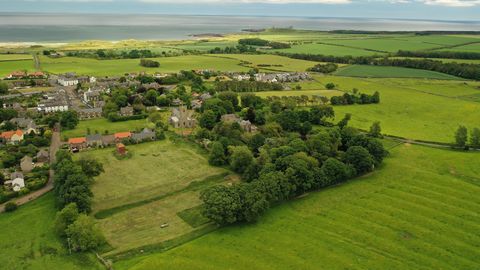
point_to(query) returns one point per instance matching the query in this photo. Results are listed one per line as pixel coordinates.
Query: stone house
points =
(26, 164)
(77, 144)
(43, 156)
(145, 135)
(90, 113)
(94, 140)
(182, 118)
(120, 136)
(108, 140)
(126, 111)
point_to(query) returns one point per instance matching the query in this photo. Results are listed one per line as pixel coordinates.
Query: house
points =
(230, 118)
(57, 102)
(247, 126)
(99, 104)
(91, 96)
(108, 140)
(77, 144)
(126, 111)
(43, 156)
(182, 118)
(94, 140)
(145, 135)
(67, 80)
(120, 136)
(17, 181)
(17, 75)
(26, 124)
(90, 113)
(12, 137)
(26, 163)
(37, 75)
(121, 149)
(196, 104)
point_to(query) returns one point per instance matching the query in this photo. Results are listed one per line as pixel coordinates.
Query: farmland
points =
(296, 93)
(272, 62)
(327, 49)
(14, 57)
(7, 67)
(28, 235)
(421, 200)
(391, 72)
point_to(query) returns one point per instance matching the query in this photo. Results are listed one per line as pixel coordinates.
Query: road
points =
(55, 145)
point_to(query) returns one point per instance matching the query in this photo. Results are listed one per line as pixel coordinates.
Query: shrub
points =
(10, 207)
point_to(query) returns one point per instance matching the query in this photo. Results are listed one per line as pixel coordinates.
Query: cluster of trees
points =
(355, 98)
(439, 54)
(324, 68)
(149, 63)
(263, 43)
(461, 138)
(67, 120)
(116, 54)
(73, 196)
(285, 159)
(247, 86)
(463, 70)
(3, 88)
(232, 50)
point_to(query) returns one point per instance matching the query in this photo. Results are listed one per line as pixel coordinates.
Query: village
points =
(36, 100)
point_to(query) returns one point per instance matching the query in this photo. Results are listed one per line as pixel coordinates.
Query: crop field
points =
(413, 108)
(122, 66)
(206, 46)
(466, 48)
(28, 240)
(155, 169)
(271, 62)
(7, 67)
(420, 211)
(101, 125)
(326, 49)
(391, 72)
(15, 57)
(444, 60)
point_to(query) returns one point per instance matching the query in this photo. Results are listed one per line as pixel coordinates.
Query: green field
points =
(412, 108)
(8, 67)
(296, 93)
(28, 240)
(101, 125)
(325, 49)
(156, 169)
(274, 62)
(15, 57)
(119, 67)
(419, 211)
(444, 60)
(391, 72)
(466, 48)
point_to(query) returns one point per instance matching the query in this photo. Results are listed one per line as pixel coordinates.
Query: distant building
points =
(57, 102)
(67, 80)
(182, 118)
(88, 113)
(145, 135)
(26, 124)
(108, 140)
(94, 140)
(126, 111)
(17, 75)
(92, 96)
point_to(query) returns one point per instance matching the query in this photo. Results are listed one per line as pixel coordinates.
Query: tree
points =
(65, 218)
(151, 98)
(475, 138)
(360, 159)
(330, 86)
(91, 167)
(344, 122)
(375, 130)
(254, 202)
(10, 207)
(335, 172)
(3, 88)
(69, 119)
(208, 119)
(217, 155)
(83, 235)
(221, 204)
(241, 158)
(461, 136)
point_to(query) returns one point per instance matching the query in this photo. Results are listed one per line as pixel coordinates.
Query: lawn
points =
(28, 240)
(326, 49)
(8, 67)
(391, 72)
(119, 67)
(412, 108)
(101, 125)
(155, 169)
(419, 211)
(294, 93)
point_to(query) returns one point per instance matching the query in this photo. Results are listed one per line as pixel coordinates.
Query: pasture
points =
(7, 67)
(475, 47)
(296, 93)
(413, 108)
(270, 62)
(102, 125)
(28, 240)
(15, 57)
(391, 72)
(155, 169)
(419, 211)
(87, 66)
(328, 49)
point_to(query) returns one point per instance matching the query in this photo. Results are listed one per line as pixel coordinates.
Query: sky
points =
(459, 10)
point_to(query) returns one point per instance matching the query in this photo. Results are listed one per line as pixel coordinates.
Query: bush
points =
(10, 207)
(149, 63)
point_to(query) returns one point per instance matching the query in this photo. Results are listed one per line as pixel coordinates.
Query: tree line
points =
(439, 54)
(263, 43)
(73, 196)
(356, 98)
(285, 159)
(247, 86)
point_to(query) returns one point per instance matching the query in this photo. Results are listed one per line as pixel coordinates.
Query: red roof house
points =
(12, 136)
(122, 135)
(77, 144)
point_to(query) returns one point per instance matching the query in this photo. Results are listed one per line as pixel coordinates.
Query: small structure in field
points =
(121, 149)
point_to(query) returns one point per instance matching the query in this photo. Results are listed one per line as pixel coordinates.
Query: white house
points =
(93, 80)
(18, 181)
(67, 81)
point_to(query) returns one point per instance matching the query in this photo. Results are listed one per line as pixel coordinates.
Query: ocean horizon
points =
(55, 27)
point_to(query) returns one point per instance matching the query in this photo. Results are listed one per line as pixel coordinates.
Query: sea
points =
(19, 27)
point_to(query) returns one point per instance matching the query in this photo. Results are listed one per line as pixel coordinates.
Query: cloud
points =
(252, 1)
(453, 3)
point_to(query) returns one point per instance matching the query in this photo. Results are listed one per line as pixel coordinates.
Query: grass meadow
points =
(155, 169)
(419, 211)
(15, 57)
(466, 48)
(296, 93)
(327, 49)
(7, 67)
(413, 108)
(270, 62)
(101, 125)
(28, 240)
(391, 72)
